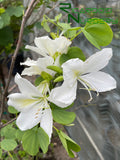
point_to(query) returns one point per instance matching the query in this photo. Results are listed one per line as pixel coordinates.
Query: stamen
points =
(86, 89)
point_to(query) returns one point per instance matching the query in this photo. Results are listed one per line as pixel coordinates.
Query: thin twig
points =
(12, 88)
(25, 17)
(12, 120)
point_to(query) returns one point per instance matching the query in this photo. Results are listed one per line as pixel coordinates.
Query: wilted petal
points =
(21, 102)
(47, 121)
(99, 81)
(64, 95)
(30, 118)
(26, 87)
(97, 61)
(71, 69)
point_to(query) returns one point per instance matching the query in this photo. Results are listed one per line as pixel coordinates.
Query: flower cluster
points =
(33, 102)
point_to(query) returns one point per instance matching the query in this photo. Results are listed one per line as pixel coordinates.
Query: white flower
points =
(36, 67)
(46, 46)
(88, 74)
(32, 104)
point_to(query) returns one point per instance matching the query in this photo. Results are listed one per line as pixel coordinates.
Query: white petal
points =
(64, 95)
(36, 49)
(99, 81)
(29, 62)
(34, 70)
(46, 45)
(62, 44)
(98, 60)
(42, 63)
(47, 121)
(21, 102)
(71, 69)
(57, 63)
(26, 87)
(30, 118)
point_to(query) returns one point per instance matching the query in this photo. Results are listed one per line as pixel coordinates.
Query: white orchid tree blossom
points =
(46, 46)
(88, 73)
(33, 105)
(36, 67)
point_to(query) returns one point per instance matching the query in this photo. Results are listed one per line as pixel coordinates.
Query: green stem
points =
(55, 128)
(76, 35)
(10, 155)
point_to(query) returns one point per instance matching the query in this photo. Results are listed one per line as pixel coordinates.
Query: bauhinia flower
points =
(36, 67)
(88, 74)
(49, 47)
(33, 105)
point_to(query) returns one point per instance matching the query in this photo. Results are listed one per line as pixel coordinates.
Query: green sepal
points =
(46, 76)
(59, 79)
(56, 69)
(68, 144)
(53, 35)
(38, 80)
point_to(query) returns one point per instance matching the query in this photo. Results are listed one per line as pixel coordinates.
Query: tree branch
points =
(24, 20)
(12, 120)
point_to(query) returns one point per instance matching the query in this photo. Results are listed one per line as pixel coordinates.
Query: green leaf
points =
(56, 69)
(8, 144)
(75, 52)
(8, 132)
(70, 33)
(6, 36)
(2, 10)
(38, 80)
(19, 134)
(46, 76)
(64, 26)
(68, 144)
(63, 58)
(45, 25)
(12, 110)
(59, 79)
(6, 19)
(1, 22)
(38, 25)
(30, 142)
(63, 117)
(43, 140)
(16, 11)
(33, 139)
(58, 17)
(98, 32)
(0, 153)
